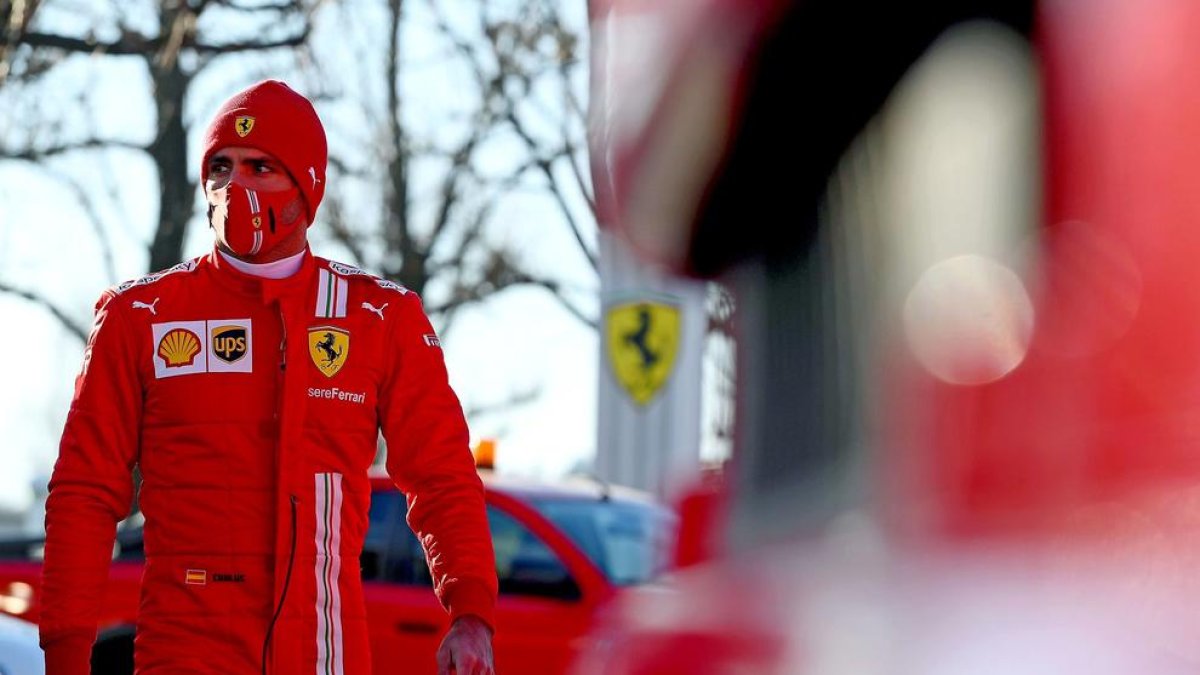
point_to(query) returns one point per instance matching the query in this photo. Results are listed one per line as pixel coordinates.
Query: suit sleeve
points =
(430, 460)
(91, 489)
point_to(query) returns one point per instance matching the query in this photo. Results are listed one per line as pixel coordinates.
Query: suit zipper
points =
(281, 379)
(287, 581)
(282, 345)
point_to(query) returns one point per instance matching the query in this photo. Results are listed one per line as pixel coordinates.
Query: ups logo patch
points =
(229, 343)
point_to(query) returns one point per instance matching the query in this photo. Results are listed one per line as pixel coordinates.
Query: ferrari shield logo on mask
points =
(643, 339)
(243, 126)
(328, 347)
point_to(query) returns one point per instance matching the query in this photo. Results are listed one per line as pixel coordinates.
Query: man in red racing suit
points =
(249, 386)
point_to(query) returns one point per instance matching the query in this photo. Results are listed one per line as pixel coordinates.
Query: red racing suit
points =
(253, 409)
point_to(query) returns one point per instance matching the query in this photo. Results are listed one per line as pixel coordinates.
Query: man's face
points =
(270, 224)
(251, 168)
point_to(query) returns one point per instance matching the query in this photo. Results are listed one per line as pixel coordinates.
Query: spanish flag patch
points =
(196, 577)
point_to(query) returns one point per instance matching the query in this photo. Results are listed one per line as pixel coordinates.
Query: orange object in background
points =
(485, 454)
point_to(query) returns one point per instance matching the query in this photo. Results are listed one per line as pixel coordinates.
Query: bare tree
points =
(436, 229)
(174, 41)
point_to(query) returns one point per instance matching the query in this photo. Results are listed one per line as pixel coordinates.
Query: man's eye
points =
(218, 168)
(263, 168)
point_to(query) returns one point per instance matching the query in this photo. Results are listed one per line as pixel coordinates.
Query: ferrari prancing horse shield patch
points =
(243, 125)
(328, 347)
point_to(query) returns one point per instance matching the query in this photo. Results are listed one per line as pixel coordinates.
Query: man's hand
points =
(467, 648)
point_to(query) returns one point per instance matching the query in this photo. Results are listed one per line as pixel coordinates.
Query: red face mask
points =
(252, 222)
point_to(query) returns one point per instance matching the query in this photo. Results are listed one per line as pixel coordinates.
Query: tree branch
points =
(499, 275)
(232, 47)
(397, 236)
(66, 321)
(449, 192)
(566, 211)
(130, 44)
(341, 232)
(472, 233)
(275, 6)
(555, 289)
(36, 154)
(544, 165)
(470, 236)
(513, 400)
(464, 49)
(14, 19)
(522, 279)
(563, 60)
(345, 169)
(580, 182)
(89, 207)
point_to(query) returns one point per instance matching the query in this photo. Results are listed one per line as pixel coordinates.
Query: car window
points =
(525, 565)
(390, 551)
(630, 542)
(376, 551)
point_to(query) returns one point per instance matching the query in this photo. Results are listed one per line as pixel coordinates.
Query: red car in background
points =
(562, 549)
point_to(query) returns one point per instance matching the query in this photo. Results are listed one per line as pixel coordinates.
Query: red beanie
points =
(269, 116)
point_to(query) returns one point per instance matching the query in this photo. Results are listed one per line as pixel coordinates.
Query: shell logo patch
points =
(243, 125)
(328, 347)
(179, 348)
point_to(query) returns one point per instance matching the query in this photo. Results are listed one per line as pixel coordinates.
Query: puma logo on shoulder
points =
(372, 308)
(137, 304)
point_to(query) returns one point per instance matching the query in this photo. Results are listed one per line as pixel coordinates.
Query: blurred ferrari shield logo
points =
(243, 126)
(643, 338)
(328, 347)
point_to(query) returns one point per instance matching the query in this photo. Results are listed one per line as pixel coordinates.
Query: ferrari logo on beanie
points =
(243, 126)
